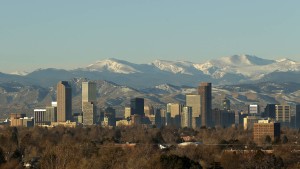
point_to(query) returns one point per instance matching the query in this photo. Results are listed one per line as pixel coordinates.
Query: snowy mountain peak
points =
(20, 73)
(112, 65)
(286, 60)
(173, 66)
(243, 60)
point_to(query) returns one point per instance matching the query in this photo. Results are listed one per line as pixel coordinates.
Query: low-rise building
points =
(264, 128)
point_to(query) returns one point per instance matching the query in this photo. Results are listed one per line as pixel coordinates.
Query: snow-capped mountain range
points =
(246, 65)
(225, 70)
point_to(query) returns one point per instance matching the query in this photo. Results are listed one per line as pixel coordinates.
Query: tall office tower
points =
(89, 103)
(204, 90)
(253, 109)
(163, 115)
(158, 118)
(137, 106)
(270, 111)
(225, 105)
(89, 92)
(297, 121)
(186, 117)
(64, 101)
(283, 114)
(194, 101)
(174, 110)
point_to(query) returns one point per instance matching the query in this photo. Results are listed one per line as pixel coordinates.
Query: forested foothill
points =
(139, 147)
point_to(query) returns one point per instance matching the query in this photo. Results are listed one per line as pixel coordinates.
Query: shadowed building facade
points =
(137, 106)
(204, 90)
(297, 120)
(64, 101)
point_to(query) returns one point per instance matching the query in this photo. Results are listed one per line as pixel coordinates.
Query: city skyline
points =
(37, 34)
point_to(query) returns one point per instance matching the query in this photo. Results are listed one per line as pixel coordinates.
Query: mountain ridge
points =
(225, 70)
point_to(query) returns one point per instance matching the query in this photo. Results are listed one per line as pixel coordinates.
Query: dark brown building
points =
(64, 101)
(206, 107)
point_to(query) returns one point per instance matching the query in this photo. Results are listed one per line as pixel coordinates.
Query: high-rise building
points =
(89, 92)
(40, 117)
(186, 117)
(204, 90)
(223, 118)
(249, 122)
(270, 111)
(51, 114)
(174, 110)
(283, 114)
(163, 115)
(194, 101)
(225, 105)
(253, 109)
(64, 101)
(88, 113)
(110, 113)
(137, 106)
(265, 128)
(127, 112)
(89, 99)
(297, 121)
(149, 110)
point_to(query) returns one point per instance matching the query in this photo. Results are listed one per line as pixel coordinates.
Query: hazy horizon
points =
(71, 34)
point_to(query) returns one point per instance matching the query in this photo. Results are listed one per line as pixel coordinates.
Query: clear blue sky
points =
(36, 34)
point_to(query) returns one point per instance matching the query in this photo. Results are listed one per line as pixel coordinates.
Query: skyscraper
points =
(89, 102)
(137, 106)
(204, 90)
(174, 110)
(253, 109)
(89, 92)
(283, 114)
(270, 111)
(297, 121)
(194, 101)
(64, 101)
(225, 105)
(186, 117)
